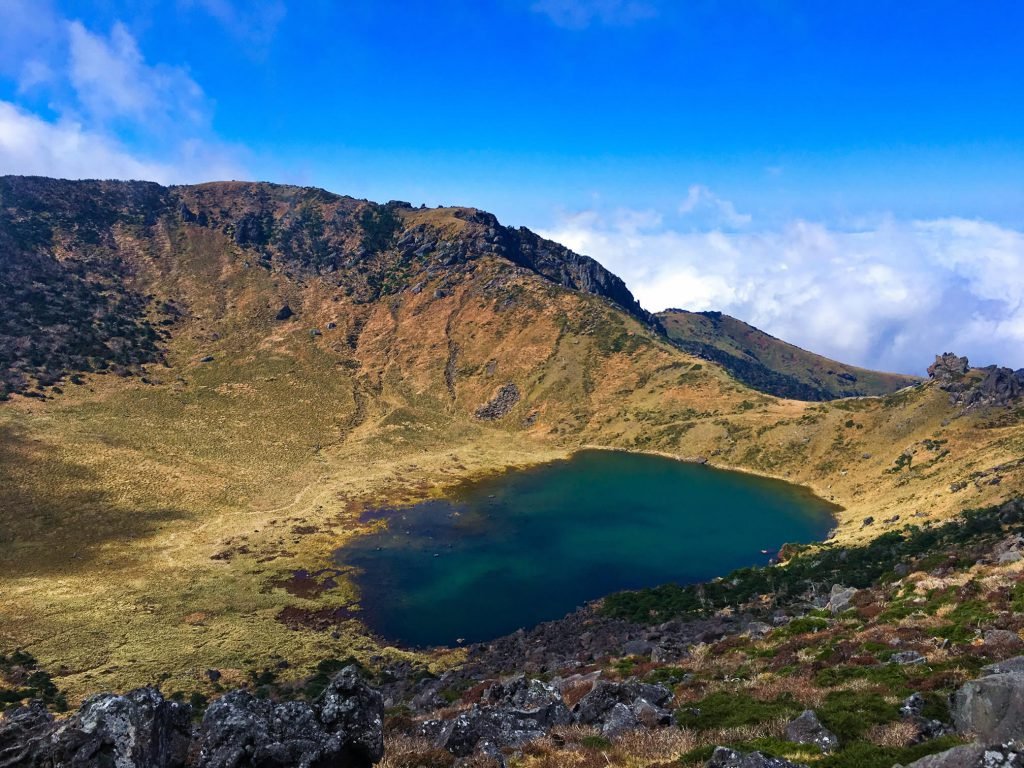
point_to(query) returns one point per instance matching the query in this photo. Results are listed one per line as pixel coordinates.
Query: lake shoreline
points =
(610, 524)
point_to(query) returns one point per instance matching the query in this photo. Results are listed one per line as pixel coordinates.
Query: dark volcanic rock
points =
(499, 405)
(730, 758)
(808, 729)
(476, 726)
(344, 728)
(137, 730)
(1000, 387)
(284, 313)
(24, 736)
(533, 699)
(513, 713)
(948, 368)
(595, 707)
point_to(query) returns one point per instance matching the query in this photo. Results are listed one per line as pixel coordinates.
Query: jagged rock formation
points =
(137, 730)
(513, 713)
(994, 386)
(769, 364)
(343, 728)
(948, 368)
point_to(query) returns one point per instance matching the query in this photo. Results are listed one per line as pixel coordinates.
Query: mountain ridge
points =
(772, 365)
(323, 232)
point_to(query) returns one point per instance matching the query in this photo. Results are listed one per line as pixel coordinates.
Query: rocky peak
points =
(994, 386)
(948, 368)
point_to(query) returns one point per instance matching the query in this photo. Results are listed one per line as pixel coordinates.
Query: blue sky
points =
(839, 173)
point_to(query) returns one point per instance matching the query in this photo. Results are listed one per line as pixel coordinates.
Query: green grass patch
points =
(850, 714)
(726, 709)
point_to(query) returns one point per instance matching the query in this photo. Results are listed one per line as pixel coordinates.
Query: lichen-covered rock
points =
(25, 737)
(498, 726)
(808, 729)
(602, 698)
(1014, 664)
(532, 699)
(840, 598)
(974, 756)
(343, 728)
(514, 713)
(351, 707)
(991, 708)
(618, 720)
(730, 758)
(137, 730)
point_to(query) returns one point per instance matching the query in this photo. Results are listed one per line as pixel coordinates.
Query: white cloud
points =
(889, 295)
(30, 145)
(579, 14)
(113, 81)
(703, 203)
(109, 114)
(64, 148)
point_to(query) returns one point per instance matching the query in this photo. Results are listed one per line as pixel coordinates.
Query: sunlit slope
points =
(149, 519)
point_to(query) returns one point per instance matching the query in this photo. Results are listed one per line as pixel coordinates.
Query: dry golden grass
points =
(898, 734)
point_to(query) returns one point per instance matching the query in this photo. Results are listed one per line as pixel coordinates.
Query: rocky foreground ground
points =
(906, 651)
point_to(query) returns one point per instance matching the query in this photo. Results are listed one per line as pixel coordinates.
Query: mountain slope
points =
(157, 496)
(768, 364)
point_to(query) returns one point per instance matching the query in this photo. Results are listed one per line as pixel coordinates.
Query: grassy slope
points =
(748, 345)
(116, 495)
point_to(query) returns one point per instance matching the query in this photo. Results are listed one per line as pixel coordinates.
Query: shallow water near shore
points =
(530, 545)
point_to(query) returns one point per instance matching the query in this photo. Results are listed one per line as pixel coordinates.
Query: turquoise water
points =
(530, 545)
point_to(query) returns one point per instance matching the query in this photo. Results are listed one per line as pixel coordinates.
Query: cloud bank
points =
(91, 106)
(888, 295)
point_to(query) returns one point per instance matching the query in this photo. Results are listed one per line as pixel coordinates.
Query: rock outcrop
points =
(343, 728)
(511, 714)
(840, 599)
(504, 400)
(1000, 387)
(808, 729)
(991, 708)
(948, 368)
(993, 386)
(730, 758)
(617, 707)
(975, 756)
(515, 712)
(137, 730)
